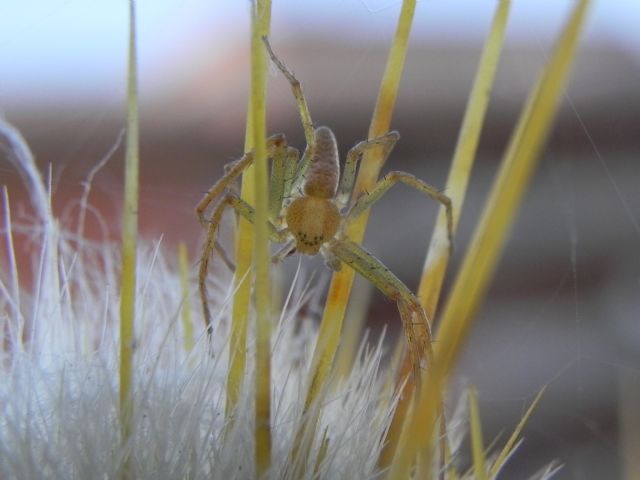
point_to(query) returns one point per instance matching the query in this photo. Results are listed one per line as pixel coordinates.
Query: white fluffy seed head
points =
(59, 389)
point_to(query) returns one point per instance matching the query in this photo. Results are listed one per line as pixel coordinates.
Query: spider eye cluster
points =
(312, 221)
(312, 241)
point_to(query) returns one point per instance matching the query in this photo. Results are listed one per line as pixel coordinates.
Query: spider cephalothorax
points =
(314, 218)
(312, 221)
(310, 205)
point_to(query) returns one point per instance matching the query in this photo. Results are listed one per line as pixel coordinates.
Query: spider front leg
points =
(283, 175)
(303, 109)
(414, 319)
(243, 209)
(386, 141)
(307, 124)
(277, 151)
(389, 180)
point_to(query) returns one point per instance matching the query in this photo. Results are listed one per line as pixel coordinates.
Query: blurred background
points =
(564, 309)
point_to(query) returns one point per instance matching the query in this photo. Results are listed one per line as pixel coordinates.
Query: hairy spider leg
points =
(389, 180)
(243, 209)
(284, 160)
(224, 256)
(276, 147)
(305, 116)
(411, 312)
(283, 169)
(348, 180)
(283, 172)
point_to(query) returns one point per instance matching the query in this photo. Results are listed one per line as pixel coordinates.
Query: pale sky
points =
(70, 47)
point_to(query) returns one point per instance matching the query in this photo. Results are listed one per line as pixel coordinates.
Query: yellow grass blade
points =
(517, 167)
(129, 241)
(477, 445)
(341, 282)
(508, 447)
(187, 325)
(480, 261)
(244, 244)
(262, 259)
(464, 155)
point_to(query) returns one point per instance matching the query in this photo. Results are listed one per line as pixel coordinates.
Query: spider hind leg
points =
(414, 319)
(246, 211)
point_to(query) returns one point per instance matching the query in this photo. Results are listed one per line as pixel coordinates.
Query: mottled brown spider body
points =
(321, 180)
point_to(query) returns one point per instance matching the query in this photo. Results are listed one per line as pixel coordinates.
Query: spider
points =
(309, 210)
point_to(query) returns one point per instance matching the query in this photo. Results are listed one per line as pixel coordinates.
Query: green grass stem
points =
(244, 244)
(187, 323)
(341, 282)
(477, 444)
(340, 288)
(262, 259)
(129, 242)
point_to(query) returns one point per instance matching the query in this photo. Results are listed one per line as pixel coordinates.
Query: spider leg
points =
(276, 144)
(283, 172)
(414, 319)
(243, 209)
(224, 256)
(305, 116)
(389, 180)
(387, 141)
(286, 250)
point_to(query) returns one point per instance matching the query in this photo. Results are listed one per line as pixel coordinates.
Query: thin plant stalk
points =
(502, 457)
(244, 245)
(187, 324)
(481, 259)
(464, 155)
(129, 242)
(48, 278)
(13, 265)
(341, 282)
(438, 253)
(477, 444)
(262, 258)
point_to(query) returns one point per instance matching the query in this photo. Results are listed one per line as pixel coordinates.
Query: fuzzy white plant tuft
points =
(59, 381)
(59, 347)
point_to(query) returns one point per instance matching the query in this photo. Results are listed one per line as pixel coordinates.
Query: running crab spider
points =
(309, 211)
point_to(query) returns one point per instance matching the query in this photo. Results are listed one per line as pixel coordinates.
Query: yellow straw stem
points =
(244, 244)
(477, 444)
(262, 258)
(511, 443)
(463, 157)
(129, 241)
(480, 261)
(438, 253)
(341, 282)
(187, 324)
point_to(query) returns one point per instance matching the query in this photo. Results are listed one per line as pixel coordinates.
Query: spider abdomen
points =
(312, 221)
(324, 170)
